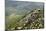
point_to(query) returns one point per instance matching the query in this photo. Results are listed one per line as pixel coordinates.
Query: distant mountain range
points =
(21, 7)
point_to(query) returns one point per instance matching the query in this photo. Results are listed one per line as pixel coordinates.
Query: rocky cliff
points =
(33, 20)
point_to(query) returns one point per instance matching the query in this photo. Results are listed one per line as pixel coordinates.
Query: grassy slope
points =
(12, 21)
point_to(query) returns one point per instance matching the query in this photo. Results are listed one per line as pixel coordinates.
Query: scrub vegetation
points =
(32, 20)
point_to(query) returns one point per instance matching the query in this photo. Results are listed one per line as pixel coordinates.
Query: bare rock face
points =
(32, 19)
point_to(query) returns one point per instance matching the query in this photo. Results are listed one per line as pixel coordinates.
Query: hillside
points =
(33, 20)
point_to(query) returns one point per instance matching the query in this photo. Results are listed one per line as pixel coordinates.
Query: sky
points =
(22, 6)
(14, 3)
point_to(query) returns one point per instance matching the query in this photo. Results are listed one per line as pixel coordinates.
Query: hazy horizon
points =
(21, 7)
